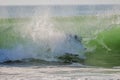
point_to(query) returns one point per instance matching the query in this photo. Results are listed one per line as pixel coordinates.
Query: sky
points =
(57, 2)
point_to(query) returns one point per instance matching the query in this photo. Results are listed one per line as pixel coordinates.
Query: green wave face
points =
(9, 33)
(107, 52)
(100, 35)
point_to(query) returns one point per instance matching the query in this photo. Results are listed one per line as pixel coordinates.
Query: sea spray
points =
(47, 35)
(42, 41)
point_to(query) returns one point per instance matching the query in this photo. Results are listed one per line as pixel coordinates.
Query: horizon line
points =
(59, 2)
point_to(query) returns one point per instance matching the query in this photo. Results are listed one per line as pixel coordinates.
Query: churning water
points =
(46, 32)
(44, 42)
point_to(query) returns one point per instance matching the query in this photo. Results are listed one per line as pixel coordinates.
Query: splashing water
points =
(44, 42)
(48, 36)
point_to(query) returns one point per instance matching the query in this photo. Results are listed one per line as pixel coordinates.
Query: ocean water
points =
(48, 72)
(57, 10)
(47, 32)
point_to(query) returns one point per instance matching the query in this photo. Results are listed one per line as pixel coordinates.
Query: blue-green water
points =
(46, 33)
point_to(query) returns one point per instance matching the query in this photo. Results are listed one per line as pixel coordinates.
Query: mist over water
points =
(49, 32)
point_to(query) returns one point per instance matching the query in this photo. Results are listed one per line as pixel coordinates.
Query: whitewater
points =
(44, 42)
(59, 42)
